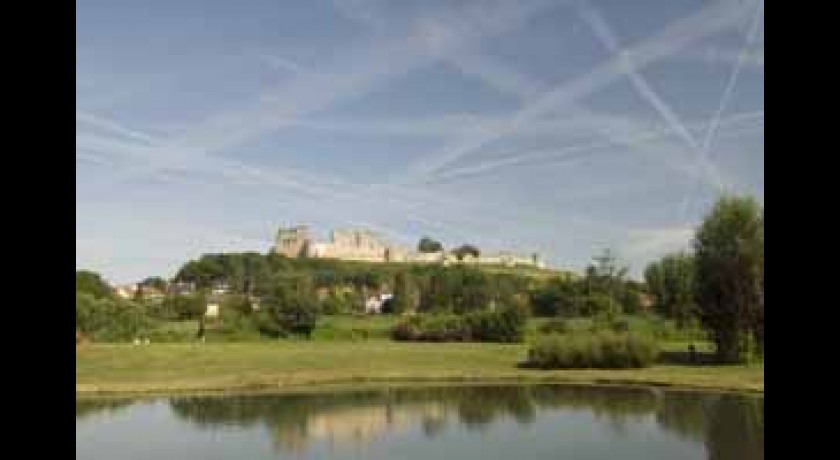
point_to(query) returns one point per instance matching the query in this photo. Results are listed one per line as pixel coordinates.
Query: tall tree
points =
(155, 282)
(605, 280)
(671, 281)
(729, 248)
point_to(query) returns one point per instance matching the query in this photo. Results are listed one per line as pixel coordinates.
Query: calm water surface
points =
(473, 422)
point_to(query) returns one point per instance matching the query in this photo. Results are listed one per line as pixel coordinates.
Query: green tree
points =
(464, 250)
(403, 293)
(181, 307)
(429, 245)
(729, 248)
(93, 284)
(671, 281)
(606, 276)
(108, 319)
(155, 282)
(291, 310)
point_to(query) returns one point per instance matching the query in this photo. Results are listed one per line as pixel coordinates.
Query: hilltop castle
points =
(363, 245)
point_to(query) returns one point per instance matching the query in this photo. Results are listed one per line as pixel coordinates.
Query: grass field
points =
(363, 327)
(290, 365)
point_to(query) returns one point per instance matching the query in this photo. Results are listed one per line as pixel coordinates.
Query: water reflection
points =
(92, 406)
(731, 427)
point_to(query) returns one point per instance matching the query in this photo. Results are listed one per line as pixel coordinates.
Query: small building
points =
(126, 291)
(212, 310)
(374, 303)
(181, 288)
(220, 289)
(151, 293)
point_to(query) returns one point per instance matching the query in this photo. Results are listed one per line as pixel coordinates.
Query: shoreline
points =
(359, 384)
(103, 369)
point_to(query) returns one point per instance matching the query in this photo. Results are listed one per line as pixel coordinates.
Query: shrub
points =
(605, 350)
(180, 307)
(267, 324)
(664, 330)
(106, 319)
(290, 315)
(621, 325)
(407, 330)
(504, 325)
(555, 326)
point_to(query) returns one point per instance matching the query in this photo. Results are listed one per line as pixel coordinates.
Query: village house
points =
(181, 288)
(374, 303)
(126, 291)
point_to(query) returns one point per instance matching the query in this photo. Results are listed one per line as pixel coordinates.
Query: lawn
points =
(362, 327)
(289, 364)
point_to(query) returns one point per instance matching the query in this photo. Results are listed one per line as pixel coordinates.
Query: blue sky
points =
(556, 126)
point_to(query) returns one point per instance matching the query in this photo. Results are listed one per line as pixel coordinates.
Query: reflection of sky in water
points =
(149, 431)
(385, 427)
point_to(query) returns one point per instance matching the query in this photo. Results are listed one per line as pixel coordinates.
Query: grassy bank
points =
(289, 365)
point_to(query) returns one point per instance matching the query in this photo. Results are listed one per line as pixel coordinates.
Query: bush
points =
(555, 326)
(105, 319)
(621, 325)
(267, 324)
(290, 315)
(407, 330)
(445, 328)
(504, 325)
(664, 329)
(180, 307)
(605, 350)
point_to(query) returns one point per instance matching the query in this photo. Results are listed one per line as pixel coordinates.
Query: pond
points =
(468, 422)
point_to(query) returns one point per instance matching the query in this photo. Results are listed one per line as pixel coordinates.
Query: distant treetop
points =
(429, 245)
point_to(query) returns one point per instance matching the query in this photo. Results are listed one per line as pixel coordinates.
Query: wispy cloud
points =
(603, 31)
(640, 139)
(672, 38)
(279, 63)
(651, 243)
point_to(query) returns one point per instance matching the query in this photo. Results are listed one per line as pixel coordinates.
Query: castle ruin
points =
(365, 246)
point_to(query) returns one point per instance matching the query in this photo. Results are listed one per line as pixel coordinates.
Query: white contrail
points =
(733, 79)
(671, 39)
(103, 123)
(360, 71)
(724, 101)
(605, 34)
(638, 139)
(508, 80)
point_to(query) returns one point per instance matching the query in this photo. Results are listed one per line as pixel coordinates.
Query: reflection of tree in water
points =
(686, 414)
(617, 406)
(90, 406)
(478, 407)
(732, 427)
(736, 429)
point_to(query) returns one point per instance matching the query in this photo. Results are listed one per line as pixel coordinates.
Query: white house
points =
(126, 291)
(220, 289)
(373, 305)
(212, 310)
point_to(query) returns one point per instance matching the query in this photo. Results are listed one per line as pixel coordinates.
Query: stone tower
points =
(293, 242)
